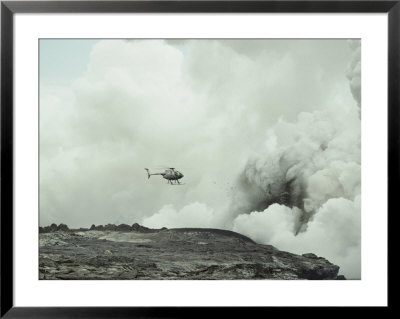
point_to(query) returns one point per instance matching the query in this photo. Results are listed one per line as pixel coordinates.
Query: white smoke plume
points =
(303, 193)
(306, 163)
(310, 178)
(192, 215)
(354, 71)
(333, 232)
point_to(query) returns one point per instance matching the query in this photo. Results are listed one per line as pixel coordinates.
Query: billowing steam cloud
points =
(310, 178)
(303, 193)
(306, 163)
(354, 71)
(192, 215)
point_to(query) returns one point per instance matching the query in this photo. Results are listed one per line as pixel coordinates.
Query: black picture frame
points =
(9, 8)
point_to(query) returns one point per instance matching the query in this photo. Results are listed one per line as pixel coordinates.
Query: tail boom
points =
(148, 173)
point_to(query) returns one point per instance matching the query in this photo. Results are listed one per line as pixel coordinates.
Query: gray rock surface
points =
(186, 253)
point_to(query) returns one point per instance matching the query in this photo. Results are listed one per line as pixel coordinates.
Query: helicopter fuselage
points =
(172, 175)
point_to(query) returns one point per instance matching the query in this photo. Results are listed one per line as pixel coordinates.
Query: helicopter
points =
(171, 175)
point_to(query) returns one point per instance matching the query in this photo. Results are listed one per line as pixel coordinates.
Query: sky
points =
(62, 61)
(245, 121)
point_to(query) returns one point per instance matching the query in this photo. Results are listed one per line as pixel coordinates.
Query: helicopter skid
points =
(175, 183)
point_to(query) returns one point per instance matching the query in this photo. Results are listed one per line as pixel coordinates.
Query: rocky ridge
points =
(136, 252)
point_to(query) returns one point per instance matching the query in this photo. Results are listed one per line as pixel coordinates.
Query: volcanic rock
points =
(123, 227)
(53, 228)
(310, 255)
(136, 252)
(62, 227)
(141, 229)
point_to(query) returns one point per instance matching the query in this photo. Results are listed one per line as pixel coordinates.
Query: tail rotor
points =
(148, 173)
